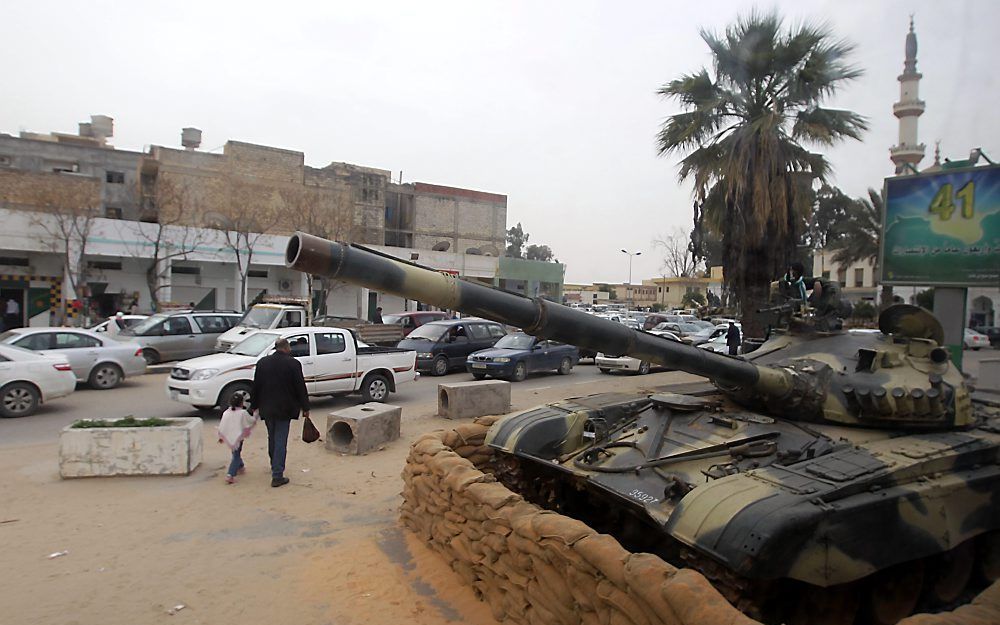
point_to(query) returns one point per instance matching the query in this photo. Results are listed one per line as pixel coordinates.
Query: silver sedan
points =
(97, 360)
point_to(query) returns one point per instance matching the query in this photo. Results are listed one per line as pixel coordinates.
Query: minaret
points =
(909, 108)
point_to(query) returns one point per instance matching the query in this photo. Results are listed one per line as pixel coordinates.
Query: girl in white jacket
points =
(234, 428)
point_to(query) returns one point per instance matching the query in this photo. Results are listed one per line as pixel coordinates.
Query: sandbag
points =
(491, 494)
(694, 600)
(606, 555)
(645, 574)
(622, 603)
(983, 610)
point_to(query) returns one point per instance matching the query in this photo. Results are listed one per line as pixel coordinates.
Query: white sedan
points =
(607, 364)
(96, 359)
(975, 340)
(28, 379)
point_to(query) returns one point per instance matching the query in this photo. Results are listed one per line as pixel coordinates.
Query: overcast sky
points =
(550, 103)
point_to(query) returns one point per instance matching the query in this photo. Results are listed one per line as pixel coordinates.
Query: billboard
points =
(942, 229)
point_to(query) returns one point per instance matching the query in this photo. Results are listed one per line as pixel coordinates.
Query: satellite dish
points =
(441, 246)
(911, 321)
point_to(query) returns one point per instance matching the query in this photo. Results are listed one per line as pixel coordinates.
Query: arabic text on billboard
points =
(943, 228)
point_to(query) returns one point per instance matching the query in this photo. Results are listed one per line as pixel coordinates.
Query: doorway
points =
(13, 319)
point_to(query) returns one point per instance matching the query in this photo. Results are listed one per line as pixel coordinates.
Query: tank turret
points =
(877, 380)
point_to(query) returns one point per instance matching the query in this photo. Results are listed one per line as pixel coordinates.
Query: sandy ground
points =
(327, 548)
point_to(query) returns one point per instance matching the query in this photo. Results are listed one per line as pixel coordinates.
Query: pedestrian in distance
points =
(234, 428)
(733, 339)
(278, 396)
(12, 314)
(377, 317)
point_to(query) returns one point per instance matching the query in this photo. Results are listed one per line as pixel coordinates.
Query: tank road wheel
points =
(643, 368)
(520, 372)
(988, 564)
(893, 593)
(837, 605)
(950, 573)
(440, 366)
(565, 366)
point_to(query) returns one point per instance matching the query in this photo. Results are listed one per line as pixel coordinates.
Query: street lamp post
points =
(630, 255)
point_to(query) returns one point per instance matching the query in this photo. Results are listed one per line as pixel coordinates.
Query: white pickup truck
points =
(333, 363)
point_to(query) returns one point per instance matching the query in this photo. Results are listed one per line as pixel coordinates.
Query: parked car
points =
(719, 346)
(974, 340)
(682, 329)
(179, 335)
(607, 364)
(333, 361)
(516, 355)
(993, 332)
(29, 379)
(111, 324)
(445, 345)
(101, 361)
(413, 320)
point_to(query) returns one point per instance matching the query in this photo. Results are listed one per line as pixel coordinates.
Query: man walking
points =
(12, 314)
(733, 339)
(279, 393)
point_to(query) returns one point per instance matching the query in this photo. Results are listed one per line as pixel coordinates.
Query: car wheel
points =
(242, 389)
(565, 366)
(151, 356)
(440, 366)
(18, 399)
(976, 349)
(643, 367)
(105, 376)
(520, 372)
(375, 388)
(479, 376)
(603, 370)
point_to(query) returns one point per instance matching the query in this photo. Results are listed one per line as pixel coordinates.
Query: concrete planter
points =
(168, 450)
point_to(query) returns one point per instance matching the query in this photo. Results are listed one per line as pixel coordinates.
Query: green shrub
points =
(127, 422)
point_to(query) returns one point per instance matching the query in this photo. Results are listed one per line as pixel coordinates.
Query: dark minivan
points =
(444, 345)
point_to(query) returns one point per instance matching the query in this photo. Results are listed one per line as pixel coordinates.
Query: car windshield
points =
(7, 336)
(254, 345)
(397, 319)
(688, 328)
(259, 317)
(703, 324)
(515, 341)
(145, 325)
(705, 332)
(428, 332)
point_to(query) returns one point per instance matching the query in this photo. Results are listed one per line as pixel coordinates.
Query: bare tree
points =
(172, 236)
(66, 210)
(323, 212)
(677, 258)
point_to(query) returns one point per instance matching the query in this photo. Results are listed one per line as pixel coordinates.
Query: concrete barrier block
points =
(359, 429)
(465, 400)
(168, 450)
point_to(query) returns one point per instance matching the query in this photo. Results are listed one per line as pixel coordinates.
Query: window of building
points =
(113, 265)
(826, 274)
(859, 277)
(112, 212)
(13, 261)
(66, 168)
(842, 277)
(5, 160)
(115, 177)
(257, 273)
(181, 269)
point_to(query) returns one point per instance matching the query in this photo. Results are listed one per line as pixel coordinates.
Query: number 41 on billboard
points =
(944, 206)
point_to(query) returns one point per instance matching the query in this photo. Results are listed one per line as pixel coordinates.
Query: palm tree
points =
(743, 129)
(860, 235)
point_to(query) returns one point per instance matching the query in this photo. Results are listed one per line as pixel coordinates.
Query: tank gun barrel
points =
(364, 267)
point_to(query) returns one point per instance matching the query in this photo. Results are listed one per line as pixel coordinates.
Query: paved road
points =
(145, 397)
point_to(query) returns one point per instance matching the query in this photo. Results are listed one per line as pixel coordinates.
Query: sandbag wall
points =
(534, 566)
(537, 567)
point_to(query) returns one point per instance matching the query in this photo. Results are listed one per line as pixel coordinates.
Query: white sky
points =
(550, 103)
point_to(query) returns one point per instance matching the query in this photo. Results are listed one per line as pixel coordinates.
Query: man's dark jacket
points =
(279, 390)
(732, 337)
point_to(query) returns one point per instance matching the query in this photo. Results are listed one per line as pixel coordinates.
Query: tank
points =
(828, 477)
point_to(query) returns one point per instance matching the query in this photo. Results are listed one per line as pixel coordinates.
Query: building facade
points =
(86, 222)
(858, 282)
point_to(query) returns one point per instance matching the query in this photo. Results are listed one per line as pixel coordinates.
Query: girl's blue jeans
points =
(237, 462)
